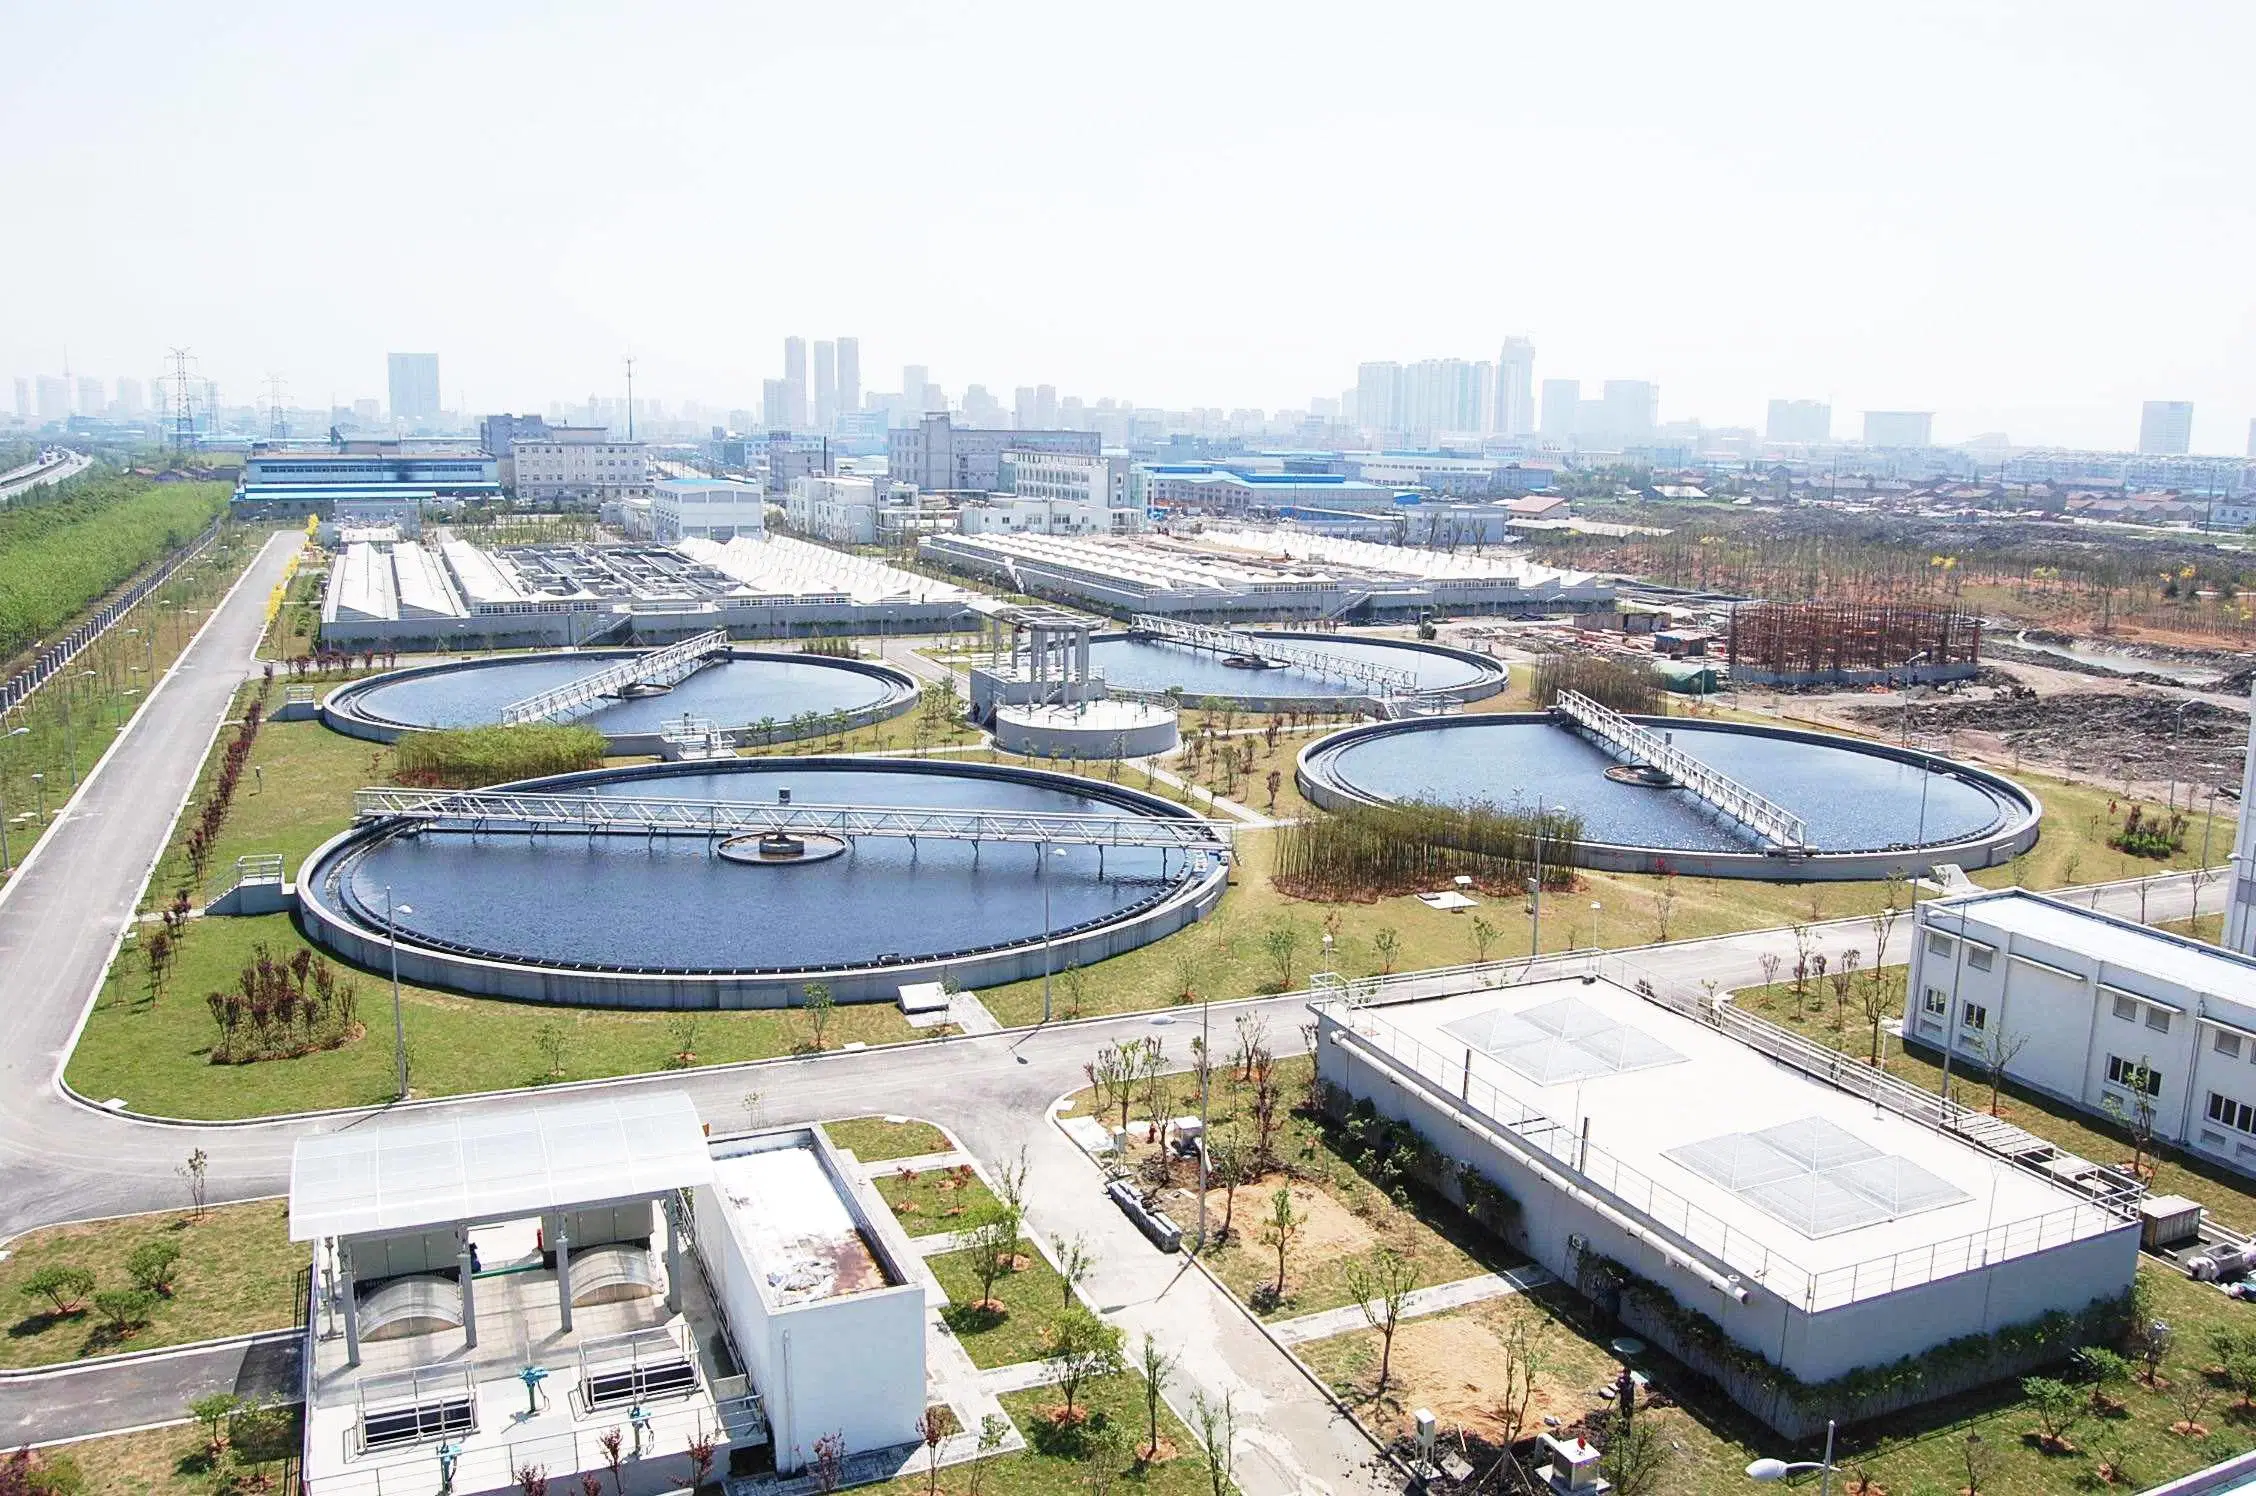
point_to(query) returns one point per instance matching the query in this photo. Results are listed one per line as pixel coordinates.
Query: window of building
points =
(2123, 1073)
(1938, 944)
(2237, 1115)
(2226, 1044)
(1974, 1016)
(1980, 957)
(2158, 1019)
(2126, 1010)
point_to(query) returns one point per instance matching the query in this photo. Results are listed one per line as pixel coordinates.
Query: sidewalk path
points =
(1417, 1304)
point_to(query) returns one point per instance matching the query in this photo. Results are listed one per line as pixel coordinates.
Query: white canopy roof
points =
(494, 1165)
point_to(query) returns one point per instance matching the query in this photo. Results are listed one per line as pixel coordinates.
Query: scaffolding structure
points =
(1828, 641)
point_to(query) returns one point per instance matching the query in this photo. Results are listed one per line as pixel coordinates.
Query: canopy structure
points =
(462, 1167)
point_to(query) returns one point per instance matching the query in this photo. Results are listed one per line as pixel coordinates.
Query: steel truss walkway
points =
(660, 667)
(488, 809)
(1385, 680)
(1766, 818)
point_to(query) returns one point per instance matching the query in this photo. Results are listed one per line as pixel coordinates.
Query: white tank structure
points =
(1102, 729)
(2240, 903)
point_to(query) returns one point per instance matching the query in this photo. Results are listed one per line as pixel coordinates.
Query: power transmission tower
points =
(277, 418)
(630, 397)
(183, 413)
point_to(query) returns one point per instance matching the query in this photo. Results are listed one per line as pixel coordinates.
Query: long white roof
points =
(458, 1167)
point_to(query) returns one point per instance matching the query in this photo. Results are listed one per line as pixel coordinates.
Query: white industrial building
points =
(706, 509)
(2089, 1005)
(498, 1289)
(578, 464)
(1095, 493)
(842, 510)
(1816, 1226)
(2240, 887)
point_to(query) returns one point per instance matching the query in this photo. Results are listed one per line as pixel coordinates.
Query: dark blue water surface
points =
(672, 905)
(1150, 665)
(735, 693)
(1852, 800)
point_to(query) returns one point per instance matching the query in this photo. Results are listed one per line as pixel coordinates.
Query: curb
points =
(91, 1364)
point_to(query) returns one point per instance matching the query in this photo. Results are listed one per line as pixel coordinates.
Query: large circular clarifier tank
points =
(1140, 662)
(1869, 808)
(754, 696)
(635, 920)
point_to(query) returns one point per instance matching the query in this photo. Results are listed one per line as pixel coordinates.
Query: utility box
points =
(2164, 1219)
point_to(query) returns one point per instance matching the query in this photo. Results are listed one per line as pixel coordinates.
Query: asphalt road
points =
(62, 1159)
(11, 485)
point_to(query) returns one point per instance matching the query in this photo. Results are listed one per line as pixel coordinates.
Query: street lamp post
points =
(1769, 1469)
(1597, 925)
(399, 1028)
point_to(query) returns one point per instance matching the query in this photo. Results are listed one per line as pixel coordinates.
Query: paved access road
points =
(61, 1159)
(31, 476)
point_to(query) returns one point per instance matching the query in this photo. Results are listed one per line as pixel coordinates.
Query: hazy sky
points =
(2026, 217)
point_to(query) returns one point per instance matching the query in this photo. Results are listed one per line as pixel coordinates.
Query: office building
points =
(1515, 388)
(1799, 421)
(2165, 428)
(840, 510)
(937, 454)
(916, 382)
(775, 405)
(1899, 428)
(1378, 396)
(1630, 409)
(981, 408)
(706, 509)
(2102, 1013)
(581, 466)
(849, 376)
(826, 386)
(496, 433)
(90, 400)
(1022, 407)
(129, 400)
(414, 387)
(1562, 405)
(1447, 396)
(24, 407)
(1099, 485)
(795, 384)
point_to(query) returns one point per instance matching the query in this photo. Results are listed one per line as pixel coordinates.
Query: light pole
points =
(1043, 868)
(1597, 924)
(399, 1029)
(1769, 1469)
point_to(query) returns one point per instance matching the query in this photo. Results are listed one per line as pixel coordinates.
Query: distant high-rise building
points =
(2166, 428)
(916, 380)
(90, 398)
(1799, 421)
(1378, 396)
(129, 401)
(1045, 407)
(23, 399)
(1562, 401)
(1899, 428)
(1515, 388)
(1633, 409)
(415, 387)
(1445, 395)
(366, 415)
(795, 383)
(1022, 407)
(849, 375)
(826, 385)
(775, 405)
(981, 408)
(54, 398)
(2251, 423)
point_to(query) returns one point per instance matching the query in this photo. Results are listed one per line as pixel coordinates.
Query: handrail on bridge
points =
(660, 667)
(1386, 678)
(1765, 817)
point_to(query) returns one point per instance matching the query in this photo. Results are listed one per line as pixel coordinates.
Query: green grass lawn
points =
(931, 1201)
(174, 1462)
(1448, 1361)
(237, 1272)
(1059, 1460)
(156, 1055)
(1031, 1298)
(877, 1139)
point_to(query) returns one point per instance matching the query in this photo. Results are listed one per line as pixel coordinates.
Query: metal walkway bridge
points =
(1385, 680)
(1770, 821)
(654, 816)
(660, 667)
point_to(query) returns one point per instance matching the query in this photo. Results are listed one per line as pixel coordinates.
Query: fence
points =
(56, 656)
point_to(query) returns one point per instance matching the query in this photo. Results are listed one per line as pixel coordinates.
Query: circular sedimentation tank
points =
(623, 918)
(1139, 662)
(1088, 729)
(1871, 809)
(754, 696)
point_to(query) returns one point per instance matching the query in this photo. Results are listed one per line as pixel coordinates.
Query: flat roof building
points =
(1647, 1151)
(707, 509)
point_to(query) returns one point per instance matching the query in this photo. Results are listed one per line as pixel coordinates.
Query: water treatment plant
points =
(616, 888)
(746, 696)
(1666, 793)
(1291, 669)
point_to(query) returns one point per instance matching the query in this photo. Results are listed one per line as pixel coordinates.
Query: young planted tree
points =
(61, 1285)
(1278, 1229)
(215, 1411)
(933, 1426)
(2102, 1368)
(2137, 1115)
(1386, 945)
(1215, 1426)
(1664, 902)
(816, 999)
(1112, 1076)
(1637, 1456)
(1228, 1165)
(193, 1171)
(1843, 979)
(1083, 1347)
(151, 1265)
(1074, 1262)
(1998, 1051)
(1381, 1284)
(1158, 1368)
(2057, 1406)
(1525, 1361)
(1268, 1106)
(1281, 943)
(1484, 936)
(1075, 981)
(992, 1240)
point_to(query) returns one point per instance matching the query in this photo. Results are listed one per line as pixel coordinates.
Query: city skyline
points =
(1780, 244)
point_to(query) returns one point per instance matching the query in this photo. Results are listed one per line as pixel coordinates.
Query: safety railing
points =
(660, 667)
(487, 808)
(1766, 818)
(1385, 679)
(55, 656)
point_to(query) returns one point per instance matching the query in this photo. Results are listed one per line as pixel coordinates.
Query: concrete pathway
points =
(1419, 1303)
(80, 1400)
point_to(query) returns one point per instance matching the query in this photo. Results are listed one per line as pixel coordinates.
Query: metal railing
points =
(1386, 679)
(484, 809)
(59, 654)
(1766, 818)
(660, 667)
(1455, 1079)
(255, 867)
